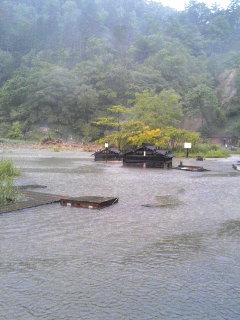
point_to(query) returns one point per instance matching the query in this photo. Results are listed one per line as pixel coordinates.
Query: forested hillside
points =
(64, 63)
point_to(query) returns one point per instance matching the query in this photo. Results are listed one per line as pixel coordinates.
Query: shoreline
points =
(51, 146)
(64, 146)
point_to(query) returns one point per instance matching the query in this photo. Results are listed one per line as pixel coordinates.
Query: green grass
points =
(235, 151)
(205, 151)
(8, 192)
(7, 141)
(217, 154)
(7, 169)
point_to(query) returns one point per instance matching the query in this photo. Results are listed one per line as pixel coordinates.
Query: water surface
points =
(127, 261)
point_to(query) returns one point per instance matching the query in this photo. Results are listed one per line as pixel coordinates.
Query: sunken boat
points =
(236, 166)
(148, 157)
(183, 167)
(108, 154)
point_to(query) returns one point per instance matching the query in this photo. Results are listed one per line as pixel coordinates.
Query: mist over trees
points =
(64, 63)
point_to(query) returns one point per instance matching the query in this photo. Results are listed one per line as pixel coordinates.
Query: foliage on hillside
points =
(64, 63)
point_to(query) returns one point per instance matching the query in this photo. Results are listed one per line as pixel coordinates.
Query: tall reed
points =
(8, 193)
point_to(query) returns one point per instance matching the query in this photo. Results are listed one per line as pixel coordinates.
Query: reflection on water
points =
(175, 247)
(163, 201)
(220, 175)
(125, 261)
(230, 228)
(84, 170)
(180, 244)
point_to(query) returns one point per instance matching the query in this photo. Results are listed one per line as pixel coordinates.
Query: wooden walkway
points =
(35, 199)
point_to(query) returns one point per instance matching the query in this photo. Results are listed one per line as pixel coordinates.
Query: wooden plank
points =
(31, 186)
(24, 205)
(43, 195)
(36, 199)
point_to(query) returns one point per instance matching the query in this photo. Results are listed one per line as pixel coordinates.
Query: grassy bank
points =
(8, 193)
(205, 151)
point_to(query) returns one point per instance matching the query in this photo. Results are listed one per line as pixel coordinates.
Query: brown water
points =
(128, 261)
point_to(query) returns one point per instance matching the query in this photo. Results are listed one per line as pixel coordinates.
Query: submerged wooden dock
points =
(35, 199)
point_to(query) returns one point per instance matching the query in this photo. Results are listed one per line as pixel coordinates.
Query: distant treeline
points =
(64, 63)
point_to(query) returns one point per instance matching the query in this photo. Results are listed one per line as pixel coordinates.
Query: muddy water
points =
(137, 259)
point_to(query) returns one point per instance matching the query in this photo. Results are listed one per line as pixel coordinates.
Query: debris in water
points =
(89, 202)
(31, 186)
(163, 201)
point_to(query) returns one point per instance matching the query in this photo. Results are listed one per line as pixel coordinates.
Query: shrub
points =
(15, 131)
(56, 149)
(8, 193)
(217, 154)
(7, 169)
(205, 151)
(46, 139)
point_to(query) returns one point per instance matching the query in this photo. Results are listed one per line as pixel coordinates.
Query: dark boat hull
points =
(191, 168)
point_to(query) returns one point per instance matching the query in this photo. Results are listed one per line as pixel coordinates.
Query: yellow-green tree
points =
(176, 137)
(150, 137)
(122, 138)
(133, 134)
(169, 138)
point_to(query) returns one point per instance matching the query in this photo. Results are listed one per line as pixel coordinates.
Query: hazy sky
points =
(180, 4)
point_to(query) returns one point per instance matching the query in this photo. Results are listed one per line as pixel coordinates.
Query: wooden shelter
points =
(149, 157)
(108, 154)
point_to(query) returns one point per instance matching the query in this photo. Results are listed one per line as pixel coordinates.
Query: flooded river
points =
(135, 260)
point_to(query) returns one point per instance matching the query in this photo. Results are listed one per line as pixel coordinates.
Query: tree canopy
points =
(64, 63)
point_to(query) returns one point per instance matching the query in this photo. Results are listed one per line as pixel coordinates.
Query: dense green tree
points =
(46, 95)
(158, 110)
(115, 120)
(202, 101)
(63, 63)
(6, 66)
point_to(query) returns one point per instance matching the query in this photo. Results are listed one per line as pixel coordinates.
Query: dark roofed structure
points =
(108, 154)
(148, 156)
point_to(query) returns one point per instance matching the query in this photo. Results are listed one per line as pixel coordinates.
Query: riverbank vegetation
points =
(8, 192)
(76, 70)
(133, 134)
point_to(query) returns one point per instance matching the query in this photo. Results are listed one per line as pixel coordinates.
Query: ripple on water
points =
(171, 248)
(128, 261)
(230, 228)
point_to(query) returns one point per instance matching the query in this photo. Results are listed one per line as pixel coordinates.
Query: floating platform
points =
(89, 202)
(34, 199)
